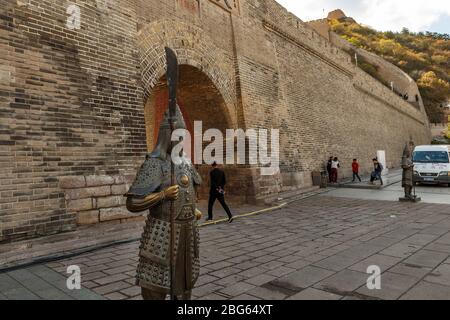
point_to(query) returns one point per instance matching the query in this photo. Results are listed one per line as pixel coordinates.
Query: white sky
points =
(383, 15)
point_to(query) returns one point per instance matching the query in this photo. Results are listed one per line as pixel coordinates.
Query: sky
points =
(382, 15)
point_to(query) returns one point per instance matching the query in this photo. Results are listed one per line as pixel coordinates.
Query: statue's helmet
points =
(406, 151)
(165, 133)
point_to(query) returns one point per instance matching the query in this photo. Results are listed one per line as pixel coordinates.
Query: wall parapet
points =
(393, 105)
(364, 82)
(285, 35)
(284, 20)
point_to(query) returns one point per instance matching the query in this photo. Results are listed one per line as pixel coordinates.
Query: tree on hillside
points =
(389, 47)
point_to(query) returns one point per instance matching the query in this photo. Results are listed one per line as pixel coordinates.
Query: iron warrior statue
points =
(408, 173)
(169, 252)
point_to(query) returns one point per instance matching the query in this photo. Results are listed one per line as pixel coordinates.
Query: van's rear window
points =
(430, 156)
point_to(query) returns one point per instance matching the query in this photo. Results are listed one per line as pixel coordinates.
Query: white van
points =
(432, 164)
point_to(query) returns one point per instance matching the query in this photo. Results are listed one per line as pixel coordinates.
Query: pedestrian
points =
(329, 168)
(355, 169)
(376, 174)
(335, 165)
(217, 191)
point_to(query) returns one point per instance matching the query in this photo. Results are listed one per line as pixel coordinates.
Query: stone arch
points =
(198, 98)
(193, 48)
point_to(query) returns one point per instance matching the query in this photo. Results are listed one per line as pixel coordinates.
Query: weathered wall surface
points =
(71, 105)
(72, 122)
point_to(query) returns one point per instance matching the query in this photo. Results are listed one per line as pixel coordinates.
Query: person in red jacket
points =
(355, 169)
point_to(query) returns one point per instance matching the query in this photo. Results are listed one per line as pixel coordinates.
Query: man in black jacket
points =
(378, 170)
(217, 191)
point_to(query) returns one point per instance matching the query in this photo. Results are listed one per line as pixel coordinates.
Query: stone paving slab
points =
(314, 294)
(40, 282)
(427, 291)
(382, 261)
(343, 282)
(393, 286)
(411, 270)
(317, 248)
(303, 278)
(440, 275)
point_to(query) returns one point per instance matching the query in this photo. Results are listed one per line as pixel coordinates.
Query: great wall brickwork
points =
(73, 124)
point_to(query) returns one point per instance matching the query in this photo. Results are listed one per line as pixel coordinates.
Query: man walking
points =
(376, 174)
(217, 191)
(355, 169)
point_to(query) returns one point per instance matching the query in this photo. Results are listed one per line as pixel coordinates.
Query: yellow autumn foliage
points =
(424, 56)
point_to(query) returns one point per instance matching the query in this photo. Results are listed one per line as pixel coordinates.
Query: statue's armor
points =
(161, 256)
(153, 271)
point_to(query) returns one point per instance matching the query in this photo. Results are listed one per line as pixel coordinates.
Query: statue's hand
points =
(172, 192)
(198, 214)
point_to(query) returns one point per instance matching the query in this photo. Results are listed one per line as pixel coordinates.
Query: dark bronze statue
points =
(408, 171)
(408, 174)
(169, 252)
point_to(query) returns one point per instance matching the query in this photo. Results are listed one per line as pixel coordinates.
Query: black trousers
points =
(376, 175)
(356, 175)
(212, 198)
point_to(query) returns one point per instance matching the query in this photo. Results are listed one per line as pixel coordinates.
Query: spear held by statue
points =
(172, 82)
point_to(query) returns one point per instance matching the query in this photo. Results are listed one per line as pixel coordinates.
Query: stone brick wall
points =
(71, 105)
(73, 127)
(95, 199)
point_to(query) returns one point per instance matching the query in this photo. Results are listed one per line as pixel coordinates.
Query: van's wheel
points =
(449, 184)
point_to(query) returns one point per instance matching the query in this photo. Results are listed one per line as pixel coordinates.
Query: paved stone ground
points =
(428, 193)
(85, 238)
(40, 282)
(392, 177)
(317, 248)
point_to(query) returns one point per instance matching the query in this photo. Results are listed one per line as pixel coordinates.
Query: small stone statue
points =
(408, 173)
